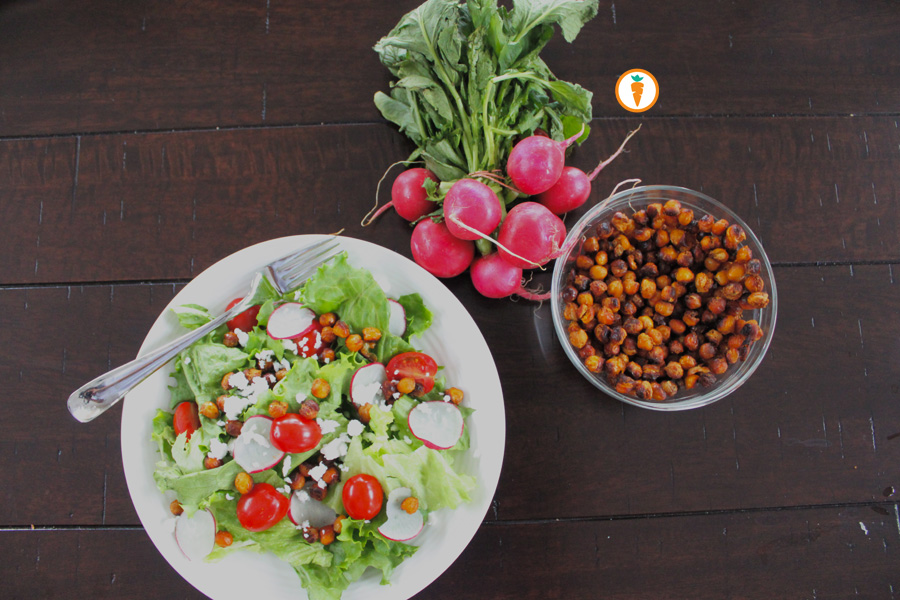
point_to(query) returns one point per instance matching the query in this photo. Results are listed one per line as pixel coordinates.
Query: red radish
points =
(365, 385)
(536, 162)
(408, 196)
(400, 526)
(438, 251)
(438, 425)
(307, 511)
(196, 535)
(397, 322)
(533, 233)
(474, 204)
(253, 449)
(574, 185)
(494, 277)
(290, 320)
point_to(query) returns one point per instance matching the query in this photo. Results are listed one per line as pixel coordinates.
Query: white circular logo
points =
(637, 90)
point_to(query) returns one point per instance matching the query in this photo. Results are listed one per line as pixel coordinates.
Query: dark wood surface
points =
(140, 142)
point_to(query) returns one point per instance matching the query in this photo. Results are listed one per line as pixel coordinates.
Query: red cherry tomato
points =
(362, 496)
(310, 343)
(416, 365)
(186, 418)
(261, 507)
(292, 433)
(244, 321)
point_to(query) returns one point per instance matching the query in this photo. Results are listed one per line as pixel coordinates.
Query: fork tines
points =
(290, 271)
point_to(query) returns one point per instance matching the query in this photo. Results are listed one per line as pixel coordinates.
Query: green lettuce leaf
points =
(350, 292)
(418, 317)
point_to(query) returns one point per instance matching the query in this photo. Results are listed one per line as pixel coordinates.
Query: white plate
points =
(453, 340)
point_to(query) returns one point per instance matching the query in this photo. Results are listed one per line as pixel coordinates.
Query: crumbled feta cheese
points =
(286, 489)
(238, 380)
(302, 495)
(447, 398)
(286, 466)
(355, 427)
(406, 439)
(289, 345)
(322, 484)
(317, 471)
(285, 364)
(242, 336)
(326, 360)
(229, 497)
(304, 524)
(327, 426)
(256, 387)
(265, 356)
(217, 449)
(187, 360)
(336, 448)
(396, 395)
(235, 405)
(344, 468)
(221, 423)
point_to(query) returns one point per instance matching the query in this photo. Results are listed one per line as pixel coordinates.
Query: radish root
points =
(456, 220)
(499, 180)
(376, 212)
(621, 149)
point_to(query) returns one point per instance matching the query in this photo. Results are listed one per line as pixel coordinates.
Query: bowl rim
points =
(720, 389)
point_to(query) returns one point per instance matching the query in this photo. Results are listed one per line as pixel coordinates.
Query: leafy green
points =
(352, 293)
(418, 317)
(469, 79)
(192, 316)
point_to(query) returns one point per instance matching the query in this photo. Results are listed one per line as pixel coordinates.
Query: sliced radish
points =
(397, 322)
(365, 385)
(400, 525)
(196, 535)
(289, 321)
(438, 425)
(307, 511)
(253, 449)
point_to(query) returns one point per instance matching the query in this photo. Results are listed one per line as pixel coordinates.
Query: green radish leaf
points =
(570, 15)
(400, 114)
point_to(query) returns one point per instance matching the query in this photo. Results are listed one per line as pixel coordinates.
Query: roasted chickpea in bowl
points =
(664, 298)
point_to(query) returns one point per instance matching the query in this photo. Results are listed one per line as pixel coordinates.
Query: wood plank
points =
(817, 424)
(85, 331)
(814, 190)
(826, 553)
(144, 66)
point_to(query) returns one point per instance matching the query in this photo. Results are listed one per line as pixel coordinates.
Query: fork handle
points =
(93, 398)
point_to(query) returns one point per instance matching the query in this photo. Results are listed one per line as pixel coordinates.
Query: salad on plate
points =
(310, 427)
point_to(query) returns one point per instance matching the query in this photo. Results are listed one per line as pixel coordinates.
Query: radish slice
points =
(253, 449)
(196, 535)
(438, 425)
(289, 321)
(400, 525)
(306, 511)
(365, 385)
(397, 323)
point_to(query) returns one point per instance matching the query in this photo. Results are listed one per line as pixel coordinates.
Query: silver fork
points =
(287, 273)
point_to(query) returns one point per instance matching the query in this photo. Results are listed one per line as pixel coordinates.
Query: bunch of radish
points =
(528, 236)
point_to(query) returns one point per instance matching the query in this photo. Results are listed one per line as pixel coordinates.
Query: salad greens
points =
(469, 80)
(383, 448)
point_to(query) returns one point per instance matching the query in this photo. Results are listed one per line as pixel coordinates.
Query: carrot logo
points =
(637, 90)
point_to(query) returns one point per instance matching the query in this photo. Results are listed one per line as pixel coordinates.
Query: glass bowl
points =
(628, 202)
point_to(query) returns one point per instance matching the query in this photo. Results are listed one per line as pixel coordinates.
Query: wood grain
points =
(814, 190)
(769, 554)
(816, 424)
(100, 66)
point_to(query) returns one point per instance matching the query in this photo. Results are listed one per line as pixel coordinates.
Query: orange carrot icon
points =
(637, 88)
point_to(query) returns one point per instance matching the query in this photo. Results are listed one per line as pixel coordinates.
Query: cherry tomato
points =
(417, 365)
(244, 321)
(362, 496)
(186, 418)
(262, 507)
(292, 433)
(310, 343)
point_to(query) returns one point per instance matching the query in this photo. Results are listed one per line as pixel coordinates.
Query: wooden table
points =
(142, 141)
